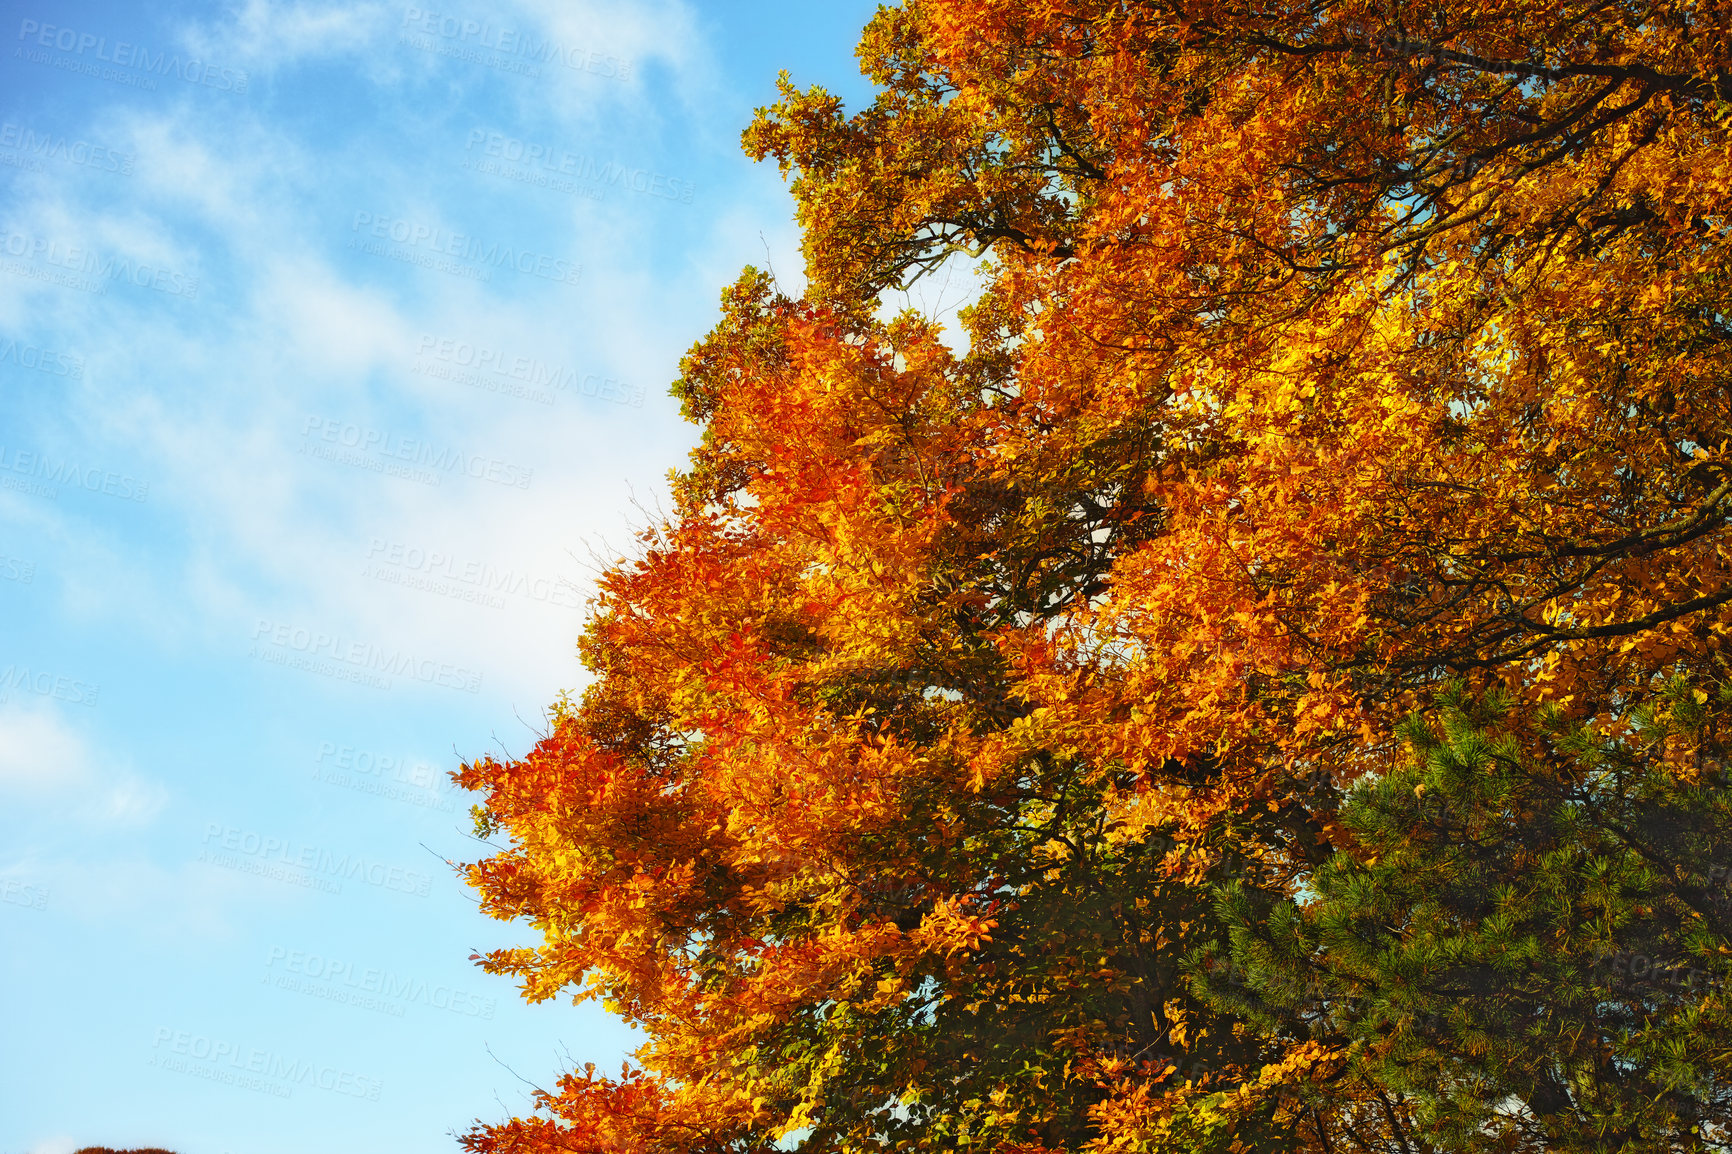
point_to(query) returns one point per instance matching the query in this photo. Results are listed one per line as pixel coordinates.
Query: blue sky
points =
(334, 349)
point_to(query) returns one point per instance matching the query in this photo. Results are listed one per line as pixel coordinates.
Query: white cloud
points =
(127, 800)
(228, 169)
(39, 752)
(266, 34)
(329, 326)
(45, 760)
(210, 397)
(663, 31)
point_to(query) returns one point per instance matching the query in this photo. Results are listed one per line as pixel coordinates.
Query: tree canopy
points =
(1262, 686)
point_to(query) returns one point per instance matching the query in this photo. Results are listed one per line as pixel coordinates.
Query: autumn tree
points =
(1002, 738)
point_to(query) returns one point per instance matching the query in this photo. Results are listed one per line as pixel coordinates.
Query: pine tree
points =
(1530, 948)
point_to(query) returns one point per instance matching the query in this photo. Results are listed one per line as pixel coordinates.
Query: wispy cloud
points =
(266, 34)
(46, 758)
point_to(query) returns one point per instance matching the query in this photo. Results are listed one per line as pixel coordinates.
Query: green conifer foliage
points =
(1532, 949)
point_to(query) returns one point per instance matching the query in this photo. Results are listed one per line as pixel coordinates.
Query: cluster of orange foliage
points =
(1326, 354)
